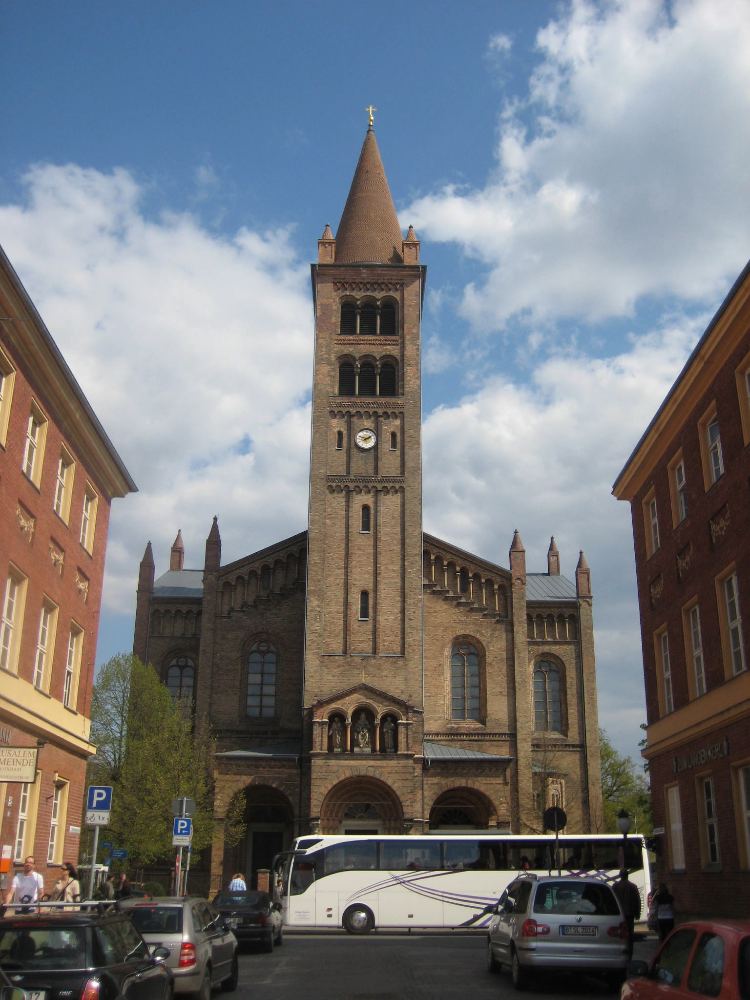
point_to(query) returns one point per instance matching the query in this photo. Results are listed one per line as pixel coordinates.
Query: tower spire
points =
(369, 232)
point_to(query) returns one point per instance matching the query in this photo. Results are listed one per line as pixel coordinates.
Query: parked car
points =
(703, 958)
(253, 916)
(202, 947)
(93, 954)
(564, 923)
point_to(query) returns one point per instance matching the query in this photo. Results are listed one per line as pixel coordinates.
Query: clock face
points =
(366, 439)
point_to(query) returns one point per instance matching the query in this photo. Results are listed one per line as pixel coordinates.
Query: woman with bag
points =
(67, 887)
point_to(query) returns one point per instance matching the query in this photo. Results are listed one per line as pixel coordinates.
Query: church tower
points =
(364, 582)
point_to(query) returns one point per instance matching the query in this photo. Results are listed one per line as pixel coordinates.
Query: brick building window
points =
(7, 379)
(11, 625)
(674, 826)
(88, 518)
(348, 318)
(368, 319)
(712, 455)
(364, 605)
(678, 489)
(261, 681)
(63, 485)
(28, 805)
(365, 518)
(733, 624)
(367, 382)
(743, 778)
(33, 450)
(465, 682)
(710, 824)
(181, 677)
(45, 645)
(651, 522)
(387, 379)
(695, 647)
(57, 822)
(72, 666)
(394, 441)
(347, 381)
(339, 440)
(664, 665)
(548, 708)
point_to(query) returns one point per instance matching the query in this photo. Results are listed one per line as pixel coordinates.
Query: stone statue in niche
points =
(362, 737)
(389, 735)
(336, 732)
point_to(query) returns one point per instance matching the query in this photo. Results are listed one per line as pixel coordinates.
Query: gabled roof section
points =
(543, 587)
(369, 232)
(362, 691)
(266, 553)
(179, 583)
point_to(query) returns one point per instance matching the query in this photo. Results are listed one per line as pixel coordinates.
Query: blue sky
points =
(576, 172)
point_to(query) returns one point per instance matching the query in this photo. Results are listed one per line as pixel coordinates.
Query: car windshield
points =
(587, 898)
(157, 919)
(43, 948)
(249, 898)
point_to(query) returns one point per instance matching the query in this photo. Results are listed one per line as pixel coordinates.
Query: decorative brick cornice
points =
(719, 524)
(368, 340)
(368, 286)
(392, 408)
(26, 522)
(57, 556)
(468, 737)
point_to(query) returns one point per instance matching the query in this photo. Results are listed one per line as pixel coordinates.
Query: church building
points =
(363, 676)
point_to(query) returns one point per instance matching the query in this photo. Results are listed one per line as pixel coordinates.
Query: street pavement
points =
(333, 965)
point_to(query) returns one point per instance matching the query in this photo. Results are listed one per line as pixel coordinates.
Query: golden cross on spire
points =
(370, 111)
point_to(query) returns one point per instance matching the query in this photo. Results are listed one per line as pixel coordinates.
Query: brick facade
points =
(695, 663)
(361, 615)
(46, 567)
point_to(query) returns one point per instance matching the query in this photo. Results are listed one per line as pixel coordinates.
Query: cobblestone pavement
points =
(382, 966)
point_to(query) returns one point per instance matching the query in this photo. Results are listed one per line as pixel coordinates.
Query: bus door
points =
(300, 899)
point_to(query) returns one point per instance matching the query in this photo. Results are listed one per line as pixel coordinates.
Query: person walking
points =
(630, 903)
(123, 889)
(27, 886)
(67, 887)
(238, 883)
(664, 902)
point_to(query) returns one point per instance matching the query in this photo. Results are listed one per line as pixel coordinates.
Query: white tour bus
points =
(361, 882)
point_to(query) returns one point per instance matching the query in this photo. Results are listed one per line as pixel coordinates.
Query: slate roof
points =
(179, 583)
(543, 587)
(441, 752)
(280, 750)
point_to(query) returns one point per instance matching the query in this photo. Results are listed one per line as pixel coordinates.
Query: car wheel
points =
(230, 983)
(268, 943)
(492, 963)
(518, 974)
(358, 920)
(204, 990)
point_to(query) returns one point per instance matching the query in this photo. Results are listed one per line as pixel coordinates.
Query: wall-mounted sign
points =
(697, 758)
(18, 764)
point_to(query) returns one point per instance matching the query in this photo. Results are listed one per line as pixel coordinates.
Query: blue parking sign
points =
(182, 831)
(99, 798)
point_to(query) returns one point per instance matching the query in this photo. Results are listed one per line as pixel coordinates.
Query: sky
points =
(577, 173)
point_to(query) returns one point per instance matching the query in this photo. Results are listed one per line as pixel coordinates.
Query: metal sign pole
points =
(94, 850)
(187, 867)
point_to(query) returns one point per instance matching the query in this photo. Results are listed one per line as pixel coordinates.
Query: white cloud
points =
(623, 173)
(194, 350)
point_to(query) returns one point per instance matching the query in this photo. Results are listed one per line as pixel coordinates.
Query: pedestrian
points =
(67, 887)
(238, 883)
(123, 888)
(664, 902)
(108, 886)
(630, 903)
(27, 886)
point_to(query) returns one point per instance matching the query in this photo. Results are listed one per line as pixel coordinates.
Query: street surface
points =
(387, 966)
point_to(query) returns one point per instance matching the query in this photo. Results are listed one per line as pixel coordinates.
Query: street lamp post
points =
(624, 822)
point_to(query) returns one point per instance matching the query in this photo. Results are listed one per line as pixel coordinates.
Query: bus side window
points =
(303, 876)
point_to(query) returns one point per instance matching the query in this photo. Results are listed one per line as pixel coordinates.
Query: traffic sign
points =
(119, 852)
(99, 798)
(182, 831)
(96, 818)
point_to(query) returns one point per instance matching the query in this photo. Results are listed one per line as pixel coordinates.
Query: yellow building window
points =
(63, 485)
(11, 624)
(33, 450)
(88, 518)
(7, 380)
(651, 522)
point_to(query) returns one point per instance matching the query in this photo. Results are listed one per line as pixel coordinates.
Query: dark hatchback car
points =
(253, 916)
(81, 956)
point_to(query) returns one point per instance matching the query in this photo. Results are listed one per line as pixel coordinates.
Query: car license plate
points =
(577, 930)
(36, 994)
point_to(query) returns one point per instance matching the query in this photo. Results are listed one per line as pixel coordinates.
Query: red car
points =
(703, 958)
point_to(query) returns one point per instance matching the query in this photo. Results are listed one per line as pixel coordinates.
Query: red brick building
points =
(362, 676)
(687, 483)
(58, 475)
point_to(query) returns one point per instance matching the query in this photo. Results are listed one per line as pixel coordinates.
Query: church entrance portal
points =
(270, 825)
(361, 806)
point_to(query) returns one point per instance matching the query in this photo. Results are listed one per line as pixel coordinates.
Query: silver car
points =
(564, 923)
(203, 950)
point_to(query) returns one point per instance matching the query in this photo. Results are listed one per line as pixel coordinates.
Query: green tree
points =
(624, 786)
(150, 752)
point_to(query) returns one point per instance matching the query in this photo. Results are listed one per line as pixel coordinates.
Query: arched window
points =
(346, 378)
(365, 525)
(548, 714)
(265, 579)
(463, 581)
(464, 681)
(387, 379)
(180, 677)
(367, 381)
(387, 319)
(348, 317)
(368, 318)
(394, 441)
(339, 440)
(261, 681)
(364, 605)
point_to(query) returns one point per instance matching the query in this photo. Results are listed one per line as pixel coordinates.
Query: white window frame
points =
(674, 819)
(33, 449)
(22, 821)
(7, 381)
(45, 645)
(63, 485)
(710, 820)
(88, 518)
(696, 650)
(714, 450)
(680, 489)
(54, 823)
(72, 666)
(653, 516)
(11, 624)
(666, 672)
(734, 624)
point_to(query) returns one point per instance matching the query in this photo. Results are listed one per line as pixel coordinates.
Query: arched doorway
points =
(462, 809)
(269, 820)
(361, 805)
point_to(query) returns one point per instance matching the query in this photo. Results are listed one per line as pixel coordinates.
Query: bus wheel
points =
(358, 920)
